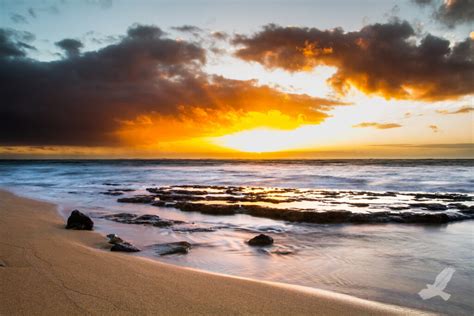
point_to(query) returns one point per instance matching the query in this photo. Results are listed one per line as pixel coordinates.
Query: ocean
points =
(376, 229)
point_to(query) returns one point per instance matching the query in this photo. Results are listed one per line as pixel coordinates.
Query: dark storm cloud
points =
(70, 46)
(381, 59)
(84, 99)
(74, 101)
(451, 12)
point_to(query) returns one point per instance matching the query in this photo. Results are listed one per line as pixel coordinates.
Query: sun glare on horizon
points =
(259, 140)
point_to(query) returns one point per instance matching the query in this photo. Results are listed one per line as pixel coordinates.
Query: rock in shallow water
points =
(261, 240)
(79, 221)
(147, 219)
(114, 239)
(180, 247)
(124, 247)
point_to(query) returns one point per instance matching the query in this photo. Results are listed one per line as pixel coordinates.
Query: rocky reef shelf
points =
(310, 205)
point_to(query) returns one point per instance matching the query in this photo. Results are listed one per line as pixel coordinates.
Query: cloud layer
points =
(382, 59)
(127, 89)
(462, 110)
(378, 125)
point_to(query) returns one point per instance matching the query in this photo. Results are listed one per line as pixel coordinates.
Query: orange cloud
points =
(381, 59)
(144, 90)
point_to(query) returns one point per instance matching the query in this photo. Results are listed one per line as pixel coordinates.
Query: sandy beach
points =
(47, 269)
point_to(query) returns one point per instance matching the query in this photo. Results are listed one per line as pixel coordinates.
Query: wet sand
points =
(46, 269)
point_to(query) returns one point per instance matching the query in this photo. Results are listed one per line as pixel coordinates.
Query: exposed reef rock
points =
(137, 199)
(147, 219)
(313, 206)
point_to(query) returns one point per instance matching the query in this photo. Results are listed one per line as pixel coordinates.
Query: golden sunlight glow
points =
(260, 140)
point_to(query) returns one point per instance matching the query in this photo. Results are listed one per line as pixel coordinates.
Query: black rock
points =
(180, 247)
(124, 247)
(114, 239)
(261, 240)
(80, 221)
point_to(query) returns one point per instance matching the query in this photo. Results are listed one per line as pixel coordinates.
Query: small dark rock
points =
(124, 247)
(114, 239)
(261, 240)
(180, 247)
(80, 221)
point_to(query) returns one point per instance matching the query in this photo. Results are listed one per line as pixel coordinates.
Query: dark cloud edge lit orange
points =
(144, 88)
(148, 87)
(380, 59)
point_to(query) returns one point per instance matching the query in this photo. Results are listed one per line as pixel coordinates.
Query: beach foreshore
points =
(46, 269)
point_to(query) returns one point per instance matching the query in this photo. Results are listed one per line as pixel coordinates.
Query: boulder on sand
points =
(261, 240)
(80, 221)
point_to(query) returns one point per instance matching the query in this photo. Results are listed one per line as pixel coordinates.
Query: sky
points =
(236, 79)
